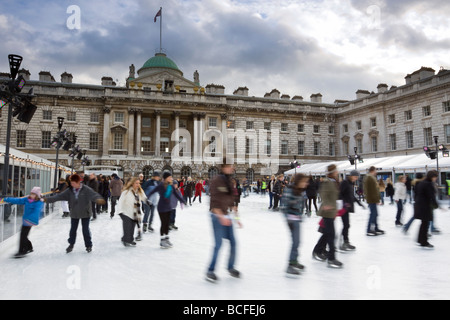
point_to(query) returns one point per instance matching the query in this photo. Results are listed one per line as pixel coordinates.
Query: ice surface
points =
(391, 266)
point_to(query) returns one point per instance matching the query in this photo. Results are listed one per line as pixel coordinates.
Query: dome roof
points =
(160, 60)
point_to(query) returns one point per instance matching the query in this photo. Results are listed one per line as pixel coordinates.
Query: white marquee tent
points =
(396, 164)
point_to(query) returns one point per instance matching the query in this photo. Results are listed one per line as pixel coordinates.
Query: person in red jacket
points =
(198, 190)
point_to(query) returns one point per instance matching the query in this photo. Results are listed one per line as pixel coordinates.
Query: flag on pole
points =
(158, 14)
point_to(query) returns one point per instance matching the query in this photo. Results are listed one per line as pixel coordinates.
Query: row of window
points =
(426, 112)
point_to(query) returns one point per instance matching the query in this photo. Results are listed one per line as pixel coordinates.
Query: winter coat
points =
(116, 186)
(164, 204)
(80, 207)
(347, 195)
(221, 193)
(400, 191)
(278, 187)
(32, 211)
(189, 188)
(425, 200)
(293, 204)
(311, 189)
(199, 189)
(148, 187)
(329, 192)
(371, 189)
(127, 204)
(390, 190)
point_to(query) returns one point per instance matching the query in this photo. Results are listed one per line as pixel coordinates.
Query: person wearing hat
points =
(329, 191)
(165, 191)
(149, 211)
(32, 212)
(347, 195)
(79, 196)
(115, 188)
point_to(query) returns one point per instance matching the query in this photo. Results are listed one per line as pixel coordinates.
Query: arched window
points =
(186, 172)
(147, 171)
(167, 169)
(212, 172)
(250, 175)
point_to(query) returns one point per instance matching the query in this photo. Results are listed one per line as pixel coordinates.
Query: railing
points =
(11, 217)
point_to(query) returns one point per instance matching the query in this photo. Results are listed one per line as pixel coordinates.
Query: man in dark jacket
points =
(79, 197)
(221, 201)
(425, 203)
(94, 185)
(277, 192)
(347, 195)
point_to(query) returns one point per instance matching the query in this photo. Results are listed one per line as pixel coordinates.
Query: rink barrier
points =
(11, 217)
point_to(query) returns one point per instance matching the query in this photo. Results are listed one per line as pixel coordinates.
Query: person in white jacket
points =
(399, 198)
(130, 210)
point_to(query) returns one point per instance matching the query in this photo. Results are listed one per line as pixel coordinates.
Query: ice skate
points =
(234, 273)
(144, 228)
(320, 256)
(346, 246)
(165, 244)
(88, 249)
(292, 272)
(139, 236)
(334, 264)
(69, 249)
(211, 277)
(129, 244)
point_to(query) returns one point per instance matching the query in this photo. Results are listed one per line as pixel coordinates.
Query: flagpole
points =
(160, 32)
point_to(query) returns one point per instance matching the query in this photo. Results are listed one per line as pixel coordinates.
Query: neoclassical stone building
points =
(162, 120)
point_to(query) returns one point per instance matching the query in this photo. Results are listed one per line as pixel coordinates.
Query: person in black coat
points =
(347, 195)
(425, 203)
(311, 193)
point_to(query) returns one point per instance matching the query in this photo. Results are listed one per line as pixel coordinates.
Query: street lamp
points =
(356, 158)
(437, 158)
(18, 105)
(57, 142)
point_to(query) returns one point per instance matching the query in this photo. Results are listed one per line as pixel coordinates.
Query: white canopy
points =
(407, 164)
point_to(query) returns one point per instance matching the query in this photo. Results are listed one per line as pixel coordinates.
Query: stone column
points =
(158, 133)
(223, 129)
(176, 115)
(138, 131)
(130, 147)
(106, 131)
(202, 127)
(196, 146)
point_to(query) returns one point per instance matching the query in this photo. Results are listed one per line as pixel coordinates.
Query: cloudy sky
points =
(299, 47)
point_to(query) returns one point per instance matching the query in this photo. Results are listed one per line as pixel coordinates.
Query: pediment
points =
(119, 128)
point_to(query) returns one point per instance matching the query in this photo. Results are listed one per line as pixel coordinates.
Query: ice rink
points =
(391, 266)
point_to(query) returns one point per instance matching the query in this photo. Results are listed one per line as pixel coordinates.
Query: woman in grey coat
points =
(79, 197)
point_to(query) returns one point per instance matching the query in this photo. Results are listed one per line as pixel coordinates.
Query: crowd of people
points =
(83, 197)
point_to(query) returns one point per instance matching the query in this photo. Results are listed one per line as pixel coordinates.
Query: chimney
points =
(316, 97)
(285, 96)
(382, 88)
(360, 94)
(275, 94)
(297, 98)
(107, 81)
(46, 76)
(421, 74)
(66, 78)
(214, 89)
(25, 74)
(241, 91)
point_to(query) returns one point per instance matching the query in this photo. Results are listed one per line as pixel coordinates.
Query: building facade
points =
(163, 121)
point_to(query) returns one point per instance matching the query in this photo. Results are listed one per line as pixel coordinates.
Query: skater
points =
(115, 187)
(94, 185)
(347, 195)
(329, 191)
(311, 193)
(400, 198)
(293, 207)
(236, 192)
(165, 191)
(188, 189)
(221, 203)
(198, 191)
(129, 208)
(63, 184)
(390, 190)
(270, 186)
(425, 202)
(419, 177)
(31, 215)
(372, 195)
(79, 197)
(277, 192)
(149, 185)
(174, 204)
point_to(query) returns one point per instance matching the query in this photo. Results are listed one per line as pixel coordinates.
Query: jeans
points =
(382, 197)
(373, 217)
(222, 232)
(346, 223)
(270, 199)
(146, 208)
(86, 232)
(399, 210)
(294, 226)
